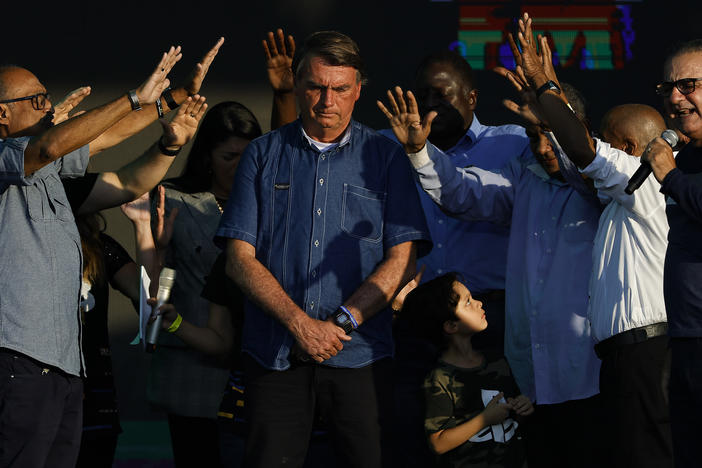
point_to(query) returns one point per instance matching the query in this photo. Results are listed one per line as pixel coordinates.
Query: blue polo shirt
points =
(321, 223)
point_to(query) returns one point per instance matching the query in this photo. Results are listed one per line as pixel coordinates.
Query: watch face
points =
(342, 319)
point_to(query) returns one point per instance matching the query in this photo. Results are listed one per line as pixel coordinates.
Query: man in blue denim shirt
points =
(322, 230)
(40, 277)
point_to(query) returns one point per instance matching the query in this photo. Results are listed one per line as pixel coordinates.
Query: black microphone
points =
(644, 171)
(165, 283)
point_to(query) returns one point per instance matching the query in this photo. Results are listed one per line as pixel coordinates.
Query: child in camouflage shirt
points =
(471, 396)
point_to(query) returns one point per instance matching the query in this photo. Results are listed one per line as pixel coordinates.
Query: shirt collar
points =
(472, 135)
(344, 139)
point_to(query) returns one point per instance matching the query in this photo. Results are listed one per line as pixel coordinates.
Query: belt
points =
(629, 337)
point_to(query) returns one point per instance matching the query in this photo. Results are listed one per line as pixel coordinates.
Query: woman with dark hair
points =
(188, 384)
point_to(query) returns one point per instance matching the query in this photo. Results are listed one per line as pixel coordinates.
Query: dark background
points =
(113, 46)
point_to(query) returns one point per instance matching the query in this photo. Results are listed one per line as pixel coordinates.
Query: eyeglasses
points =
(38, 100)
(684, 85)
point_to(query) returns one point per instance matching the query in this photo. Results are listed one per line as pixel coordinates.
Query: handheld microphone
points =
(645, 170)
(165, 283)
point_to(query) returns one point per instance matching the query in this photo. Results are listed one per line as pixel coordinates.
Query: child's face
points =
(470, 313)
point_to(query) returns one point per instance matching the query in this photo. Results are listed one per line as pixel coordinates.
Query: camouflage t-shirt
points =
(455, 395)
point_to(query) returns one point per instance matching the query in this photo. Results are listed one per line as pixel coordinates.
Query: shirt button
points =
(439, 245)
(311, 305)
(321, 181)
(541, 281)
(316, 243)
(314, 273)
(548, 250)
(553, 218)
(323, 157)
(441, 221)
(537, 346)
(319, 211)
(439, 271)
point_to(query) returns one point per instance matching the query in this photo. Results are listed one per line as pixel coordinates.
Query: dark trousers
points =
(281, 408)
(686, 400)
(41, 414)
(97, 449)
(638, 421)
(567, 434)
(195, 441)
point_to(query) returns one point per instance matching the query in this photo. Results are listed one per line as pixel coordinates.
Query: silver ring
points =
(192, 115)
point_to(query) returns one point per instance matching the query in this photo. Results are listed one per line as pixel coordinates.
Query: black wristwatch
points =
(550, 85)
(343, 321)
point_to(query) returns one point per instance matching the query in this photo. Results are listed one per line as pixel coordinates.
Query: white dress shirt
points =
(626, 286)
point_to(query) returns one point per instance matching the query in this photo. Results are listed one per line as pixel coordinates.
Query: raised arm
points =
(279, 57)
(137, 121)
(141, 175)
(537, 69)
(70, 135)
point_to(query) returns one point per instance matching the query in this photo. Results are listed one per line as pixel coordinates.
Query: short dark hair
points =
(429, 305)
(335, 49)
(680, 48)
(223, 121)
(459, 64)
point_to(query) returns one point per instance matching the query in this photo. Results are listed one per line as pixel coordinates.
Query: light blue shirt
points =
(40, 272)
(475, 249)
(549, 260)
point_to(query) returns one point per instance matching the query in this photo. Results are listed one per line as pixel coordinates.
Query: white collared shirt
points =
(626, 286)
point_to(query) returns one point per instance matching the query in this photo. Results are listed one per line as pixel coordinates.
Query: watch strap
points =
(133, 100)
(549, 85)
(168, 97)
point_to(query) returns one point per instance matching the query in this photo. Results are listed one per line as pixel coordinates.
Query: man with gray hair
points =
(322, 229)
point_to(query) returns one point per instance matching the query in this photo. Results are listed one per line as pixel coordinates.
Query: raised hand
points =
(138, 210)
(182, 128)
(151, 89)
(68, 103)
(164, 227)
(529, 107)
(409, 129)
(197, 76)
(279, 57)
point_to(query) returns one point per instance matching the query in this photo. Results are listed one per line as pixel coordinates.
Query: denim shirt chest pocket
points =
(42, 202)
(363, 213)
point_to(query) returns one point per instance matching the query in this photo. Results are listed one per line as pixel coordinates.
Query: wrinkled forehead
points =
(687, 65)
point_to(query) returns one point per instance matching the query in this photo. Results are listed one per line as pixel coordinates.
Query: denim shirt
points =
(483, 264)
(549, 260)
(321, 223)
(40, 275)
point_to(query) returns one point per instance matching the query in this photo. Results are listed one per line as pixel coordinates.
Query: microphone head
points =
(166, 278)
(670, 137)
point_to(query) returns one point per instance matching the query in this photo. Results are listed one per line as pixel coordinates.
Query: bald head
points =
(13, 79)
(630, 127)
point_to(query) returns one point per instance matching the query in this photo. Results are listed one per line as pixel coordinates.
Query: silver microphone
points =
(165, 283)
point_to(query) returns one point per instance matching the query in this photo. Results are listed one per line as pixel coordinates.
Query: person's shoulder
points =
(382, 138)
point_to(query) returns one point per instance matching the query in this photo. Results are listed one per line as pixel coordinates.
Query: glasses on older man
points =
(684, 85)
(38, 100)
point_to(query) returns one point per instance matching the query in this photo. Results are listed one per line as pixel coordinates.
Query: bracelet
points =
(159, 108)
(165, 150)
(168, 97)
(133, 100)
(548, 86)
(176, 324)
(348, 312)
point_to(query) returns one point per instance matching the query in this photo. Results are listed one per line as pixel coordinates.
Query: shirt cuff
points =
(420, 158)
(669, 180)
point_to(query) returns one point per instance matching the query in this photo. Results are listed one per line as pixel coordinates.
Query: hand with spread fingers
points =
(279, 51)
(151, 89)
(197, 76)
(410, 130)
(68, 103)
(529, 107)
(182, 128)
